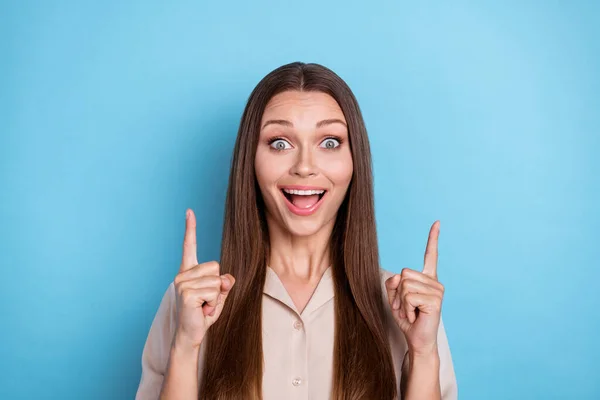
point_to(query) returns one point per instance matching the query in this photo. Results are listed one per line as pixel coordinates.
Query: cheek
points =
(339, 170)
(267, 170)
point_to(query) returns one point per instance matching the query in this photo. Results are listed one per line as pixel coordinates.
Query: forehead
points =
(296, 104)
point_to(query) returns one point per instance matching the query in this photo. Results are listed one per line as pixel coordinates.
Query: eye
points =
(330, 143)
(280, 144)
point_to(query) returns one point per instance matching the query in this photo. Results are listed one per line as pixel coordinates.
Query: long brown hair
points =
(233, 362)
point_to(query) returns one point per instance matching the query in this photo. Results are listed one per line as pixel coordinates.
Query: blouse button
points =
(296, 381)
(297, 325)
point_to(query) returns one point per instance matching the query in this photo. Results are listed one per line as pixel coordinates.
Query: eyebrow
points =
(289, 124)
(330, 121)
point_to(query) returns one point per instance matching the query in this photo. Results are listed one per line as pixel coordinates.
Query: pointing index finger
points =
(431, 251)
(190, 258)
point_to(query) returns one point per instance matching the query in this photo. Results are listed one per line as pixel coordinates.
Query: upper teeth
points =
(303, 192)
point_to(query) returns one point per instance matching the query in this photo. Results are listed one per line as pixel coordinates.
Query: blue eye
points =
(280, 144)
(330, 143)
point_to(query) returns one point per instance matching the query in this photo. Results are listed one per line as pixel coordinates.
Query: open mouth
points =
(303, 202)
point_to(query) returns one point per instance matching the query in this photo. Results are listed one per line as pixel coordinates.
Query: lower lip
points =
(303, 212)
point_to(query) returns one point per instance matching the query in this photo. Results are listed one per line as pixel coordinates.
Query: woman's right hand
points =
(200, 290)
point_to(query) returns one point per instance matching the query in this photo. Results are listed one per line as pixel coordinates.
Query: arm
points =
(181, 380)
(437, 370)
(155, 355)
(415, 299)
(169, 363)
(193, 302)
(420, 376)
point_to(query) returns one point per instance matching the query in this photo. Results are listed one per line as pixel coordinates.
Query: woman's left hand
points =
(416, 300)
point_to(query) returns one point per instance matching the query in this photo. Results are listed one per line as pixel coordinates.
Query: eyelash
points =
(276, 138)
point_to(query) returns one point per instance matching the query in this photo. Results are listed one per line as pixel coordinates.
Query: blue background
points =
(116, 116)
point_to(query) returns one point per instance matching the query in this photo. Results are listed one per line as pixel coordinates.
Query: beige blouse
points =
(298, 347)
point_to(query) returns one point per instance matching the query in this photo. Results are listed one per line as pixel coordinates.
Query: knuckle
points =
(389, 282)
(180, 287)
(212, 266)
(187, 296)
(405, 272)
(189, 242)
(404, 285)
(402, 292)
(177, 279)
(213, 281)
(211, 294)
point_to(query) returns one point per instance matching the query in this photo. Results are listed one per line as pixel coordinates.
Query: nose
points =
(304, 166)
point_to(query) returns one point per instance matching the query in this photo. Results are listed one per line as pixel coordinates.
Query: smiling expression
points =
(303, 160)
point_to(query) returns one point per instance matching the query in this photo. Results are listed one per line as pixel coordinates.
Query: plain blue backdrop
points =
(115, 116)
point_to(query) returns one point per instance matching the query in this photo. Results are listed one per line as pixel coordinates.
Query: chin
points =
(303, 228)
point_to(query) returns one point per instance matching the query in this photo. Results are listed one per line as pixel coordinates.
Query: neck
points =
(303, 258)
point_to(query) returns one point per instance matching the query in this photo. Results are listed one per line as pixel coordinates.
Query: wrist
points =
(182, 344)
(424, 356)
(427, 352)
(184, 356)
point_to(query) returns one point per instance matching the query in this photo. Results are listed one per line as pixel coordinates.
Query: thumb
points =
(391, 286)
(227, 282)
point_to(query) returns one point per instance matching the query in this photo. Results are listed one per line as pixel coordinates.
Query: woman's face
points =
(303, 161)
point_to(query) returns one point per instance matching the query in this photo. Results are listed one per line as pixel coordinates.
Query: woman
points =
(298, 307)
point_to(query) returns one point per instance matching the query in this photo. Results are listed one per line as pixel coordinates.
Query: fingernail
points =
(187, 214)
(396, 304)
